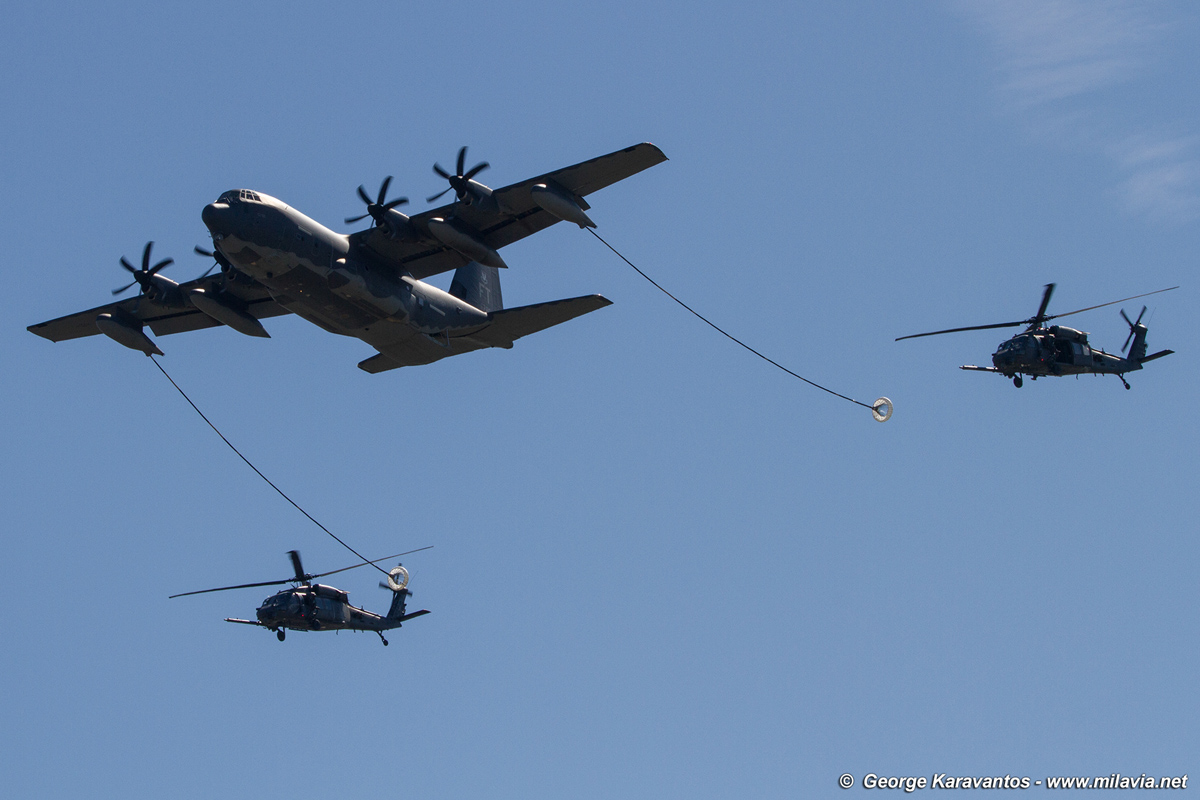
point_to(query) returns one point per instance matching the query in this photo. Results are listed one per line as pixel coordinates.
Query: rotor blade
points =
(1041, 313)
(1127, 321)
(376, 561)
(1113, 303)
(297, 566)
(239, 586)
(1139, 319)
(352, 220)
(969, 328)
(439, 194)
(462, 157)
(475, 170)
(383, 187)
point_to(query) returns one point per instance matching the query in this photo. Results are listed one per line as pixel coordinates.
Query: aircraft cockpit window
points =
(238, 195)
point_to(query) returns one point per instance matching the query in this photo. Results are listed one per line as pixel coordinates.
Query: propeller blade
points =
(210, 269)
(475, 170)
(202, 252)
(1113, 303)
(383, 187)
(462, 158)
(164, 263)
(969, 328)
(399, 201)
(146, 256)
(297, 566)
(376, 561)
(362, 193)
(239, 586)
(352, 220)
(438, 169)
(439, 194)
(123, 288)
(128, 266)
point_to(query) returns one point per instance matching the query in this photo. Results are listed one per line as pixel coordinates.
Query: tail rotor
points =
(1132, 327)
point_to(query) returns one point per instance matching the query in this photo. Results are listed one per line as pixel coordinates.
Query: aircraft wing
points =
(518, 216)
(413, 349)
(162, 320)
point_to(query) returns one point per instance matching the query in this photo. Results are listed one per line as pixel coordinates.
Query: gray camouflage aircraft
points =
(370, 285)
(309, 607)
(1056, 350)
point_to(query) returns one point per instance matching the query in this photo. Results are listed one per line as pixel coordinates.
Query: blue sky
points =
(661, 567)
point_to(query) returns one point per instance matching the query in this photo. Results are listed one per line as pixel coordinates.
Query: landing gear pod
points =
(881, 409)
(127, 333)
(397, 579)
(558, 202)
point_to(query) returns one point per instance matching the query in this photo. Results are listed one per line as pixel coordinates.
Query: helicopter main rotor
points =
(1038, 319)
(301, 577)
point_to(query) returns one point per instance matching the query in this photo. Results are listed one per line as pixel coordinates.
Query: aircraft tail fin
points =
(399, 598)
(478, 285)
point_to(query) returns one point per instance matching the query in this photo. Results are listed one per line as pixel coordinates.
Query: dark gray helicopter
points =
(316, 607)
(1058, 350)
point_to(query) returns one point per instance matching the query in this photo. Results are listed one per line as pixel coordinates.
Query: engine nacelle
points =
(452, 234)
(127, 332)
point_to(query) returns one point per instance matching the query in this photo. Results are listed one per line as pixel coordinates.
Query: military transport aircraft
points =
(370, 284)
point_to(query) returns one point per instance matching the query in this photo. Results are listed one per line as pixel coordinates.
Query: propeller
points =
(218, 260)
(1041, 317)
(1131, 325)
(143, 276)
(459, 180)
(300, 575)
(377, 209)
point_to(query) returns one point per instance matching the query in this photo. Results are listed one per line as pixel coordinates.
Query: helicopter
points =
(1057, 350)
(316, 607)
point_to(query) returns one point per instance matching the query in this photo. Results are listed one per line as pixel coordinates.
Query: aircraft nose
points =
(215, 216)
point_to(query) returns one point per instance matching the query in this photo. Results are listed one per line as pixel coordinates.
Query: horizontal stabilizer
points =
(1159, 354)
(503, 328)
(420, 613)
(513, 323)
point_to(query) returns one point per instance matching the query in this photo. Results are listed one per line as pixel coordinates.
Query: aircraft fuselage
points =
(316, 273)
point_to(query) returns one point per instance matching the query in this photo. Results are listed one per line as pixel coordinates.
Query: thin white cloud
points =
(1058, 62)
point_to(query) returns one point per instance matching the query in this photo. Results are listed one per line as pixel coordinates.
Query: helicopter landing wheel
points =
(385, 642)
(1124, 382)
(1017, 382)
(280, 635)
